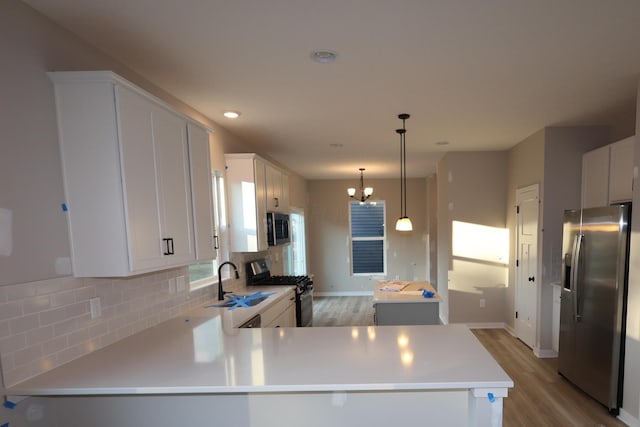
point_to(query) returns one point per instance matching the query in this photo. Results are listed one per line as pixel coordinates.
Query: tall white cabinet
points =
(127, 178)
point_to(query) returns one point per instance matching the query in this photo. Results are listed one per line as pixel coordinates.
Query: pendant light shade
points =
(403, 223)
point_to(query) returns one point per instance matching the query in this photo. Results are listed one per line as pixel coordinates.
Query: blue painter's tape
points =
(64, 207)
(427, 294)
(491, 398)
(9, 404)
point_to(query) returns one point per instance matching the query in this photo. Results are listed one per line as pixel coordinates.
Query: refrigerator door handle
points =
(575, 275)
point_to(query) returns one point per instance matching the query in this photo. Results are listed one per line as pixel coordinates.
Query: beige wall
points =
(551, 158)
(473, 191)
(525, 167)
(328, 224)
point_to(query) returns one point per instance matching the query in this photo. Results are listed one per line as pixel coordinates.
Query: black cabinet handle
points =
(532, 279)
(277, 202)
(216, 244)
(169, 246)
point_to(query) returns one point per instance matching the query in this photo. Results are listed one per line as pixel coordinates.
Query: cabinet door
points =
(274, 188)
(621, 170)
(595, 178)
(202, 193)
(142, 202)
(261, 205)
(174, 182)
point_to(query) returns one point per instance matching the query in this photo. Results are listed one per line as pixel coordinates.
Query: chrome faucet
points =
(221, 292)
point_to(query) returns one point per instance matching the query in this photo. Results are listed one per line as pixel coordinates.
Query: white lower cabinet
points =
(281, 314)
(126, 173)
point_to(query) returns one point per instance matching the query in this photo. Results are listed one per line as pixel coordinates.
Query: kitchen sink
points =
(242, 300)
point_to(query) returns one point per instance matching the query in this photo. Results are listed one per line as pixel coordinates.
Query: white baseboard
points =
(343, 294)
(544, 353)
(510, 330)
(486, 325)
(628, 419)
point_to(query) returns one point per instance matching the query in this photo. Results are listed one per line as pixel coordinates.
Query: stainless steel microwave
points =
(277, 228)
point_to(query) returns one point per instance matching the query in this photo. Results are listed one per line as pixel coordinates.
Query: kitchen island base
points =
(311, 409)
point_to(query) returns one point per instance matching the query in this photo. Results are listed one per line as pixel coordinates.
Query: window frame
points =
(383, 238)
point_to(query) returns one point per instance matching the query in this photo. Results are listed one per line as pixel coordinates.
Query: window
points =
(206, 273)
(367, 237)
(295, 262)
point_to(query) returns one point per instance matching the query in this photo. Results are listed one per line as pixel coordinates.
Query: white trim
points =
(344, 293)
(487, 325)
(628, 419)
(544, 353)
(510, 329)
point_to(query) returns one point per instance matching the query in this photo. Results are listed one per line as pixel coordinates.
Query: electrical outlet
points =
(172, 285)
(482, 302)
(180, 284)
(95, 307)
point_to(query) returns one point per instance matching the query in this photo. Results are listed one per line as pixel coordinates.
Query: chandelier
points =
(365, 192)
(403, 223)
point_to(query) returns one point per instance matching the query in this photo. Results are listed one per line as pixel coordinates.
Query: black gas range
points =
(259, 274)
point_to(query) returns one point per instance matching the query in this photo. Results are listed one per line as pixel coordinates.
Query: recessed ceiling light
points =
(231, 114)
(323, 56)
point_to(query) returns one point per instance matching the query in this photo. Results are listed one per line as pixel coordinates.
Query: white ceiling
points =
(481, 75)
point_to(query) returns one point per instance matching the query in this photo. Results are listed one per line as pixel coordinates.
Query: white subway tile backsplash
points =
(10, 309)
(47, 323)
(36, 304)
(78, 337)
(60, 284)
(13, 343)
(4, 329)
(77, 309)
(55, 345)
(40, 335)
(27, 355)
(18, 292)
(24, 323)
(63, 298)
(50, 317)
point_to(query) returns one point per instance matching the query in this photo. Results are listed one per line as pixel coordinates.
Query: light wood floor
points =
(540, 396)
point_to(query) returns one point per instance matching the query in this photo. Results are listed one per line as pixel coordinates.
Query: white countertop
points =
(202, 353)
(411, 292)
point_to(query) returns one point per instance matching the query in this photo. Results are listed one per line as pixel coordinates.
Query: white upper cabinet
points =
(255, 188)
(126, 171)
(247, 201)
(277, 189)
(607, 174)
(595, 178)
(202, 193)
(621, 170)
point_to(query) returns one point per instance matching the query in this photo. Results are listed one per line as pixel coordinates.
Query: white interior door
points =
(527, 264)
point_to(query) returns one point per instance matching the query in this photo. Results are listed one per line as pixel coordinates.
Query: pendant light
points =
(403, 223)
(365, 192)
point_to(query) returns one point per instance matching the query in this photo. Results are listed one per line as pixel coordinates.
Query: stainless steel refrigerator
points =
(593, 301)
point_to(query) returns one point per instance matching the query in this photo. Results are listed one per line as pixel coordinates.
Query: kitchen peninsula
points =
(200, 370)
